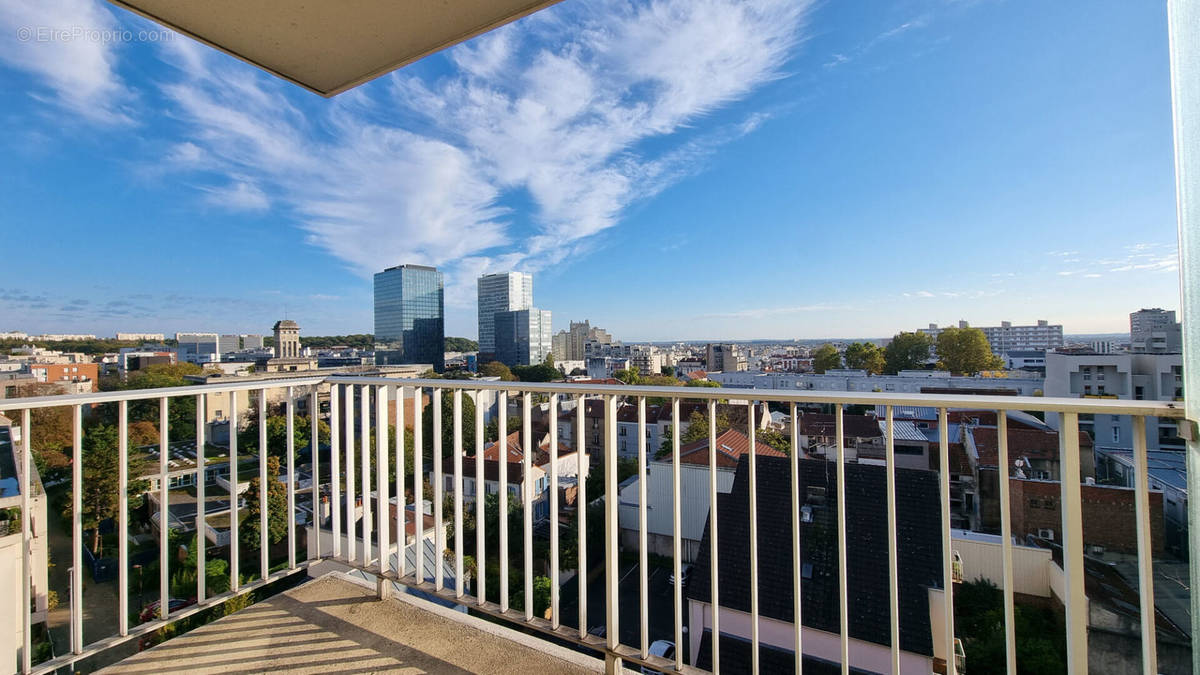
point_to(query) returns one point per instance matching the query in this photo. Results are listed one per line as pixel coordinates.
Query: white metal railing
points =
(373, 554)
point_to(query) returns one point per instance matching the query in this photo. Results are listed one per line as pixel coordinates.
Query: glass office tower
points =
(409, 316)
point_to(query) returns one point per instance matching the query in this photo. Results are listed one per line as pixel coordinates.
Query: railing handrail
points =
(1163, 409)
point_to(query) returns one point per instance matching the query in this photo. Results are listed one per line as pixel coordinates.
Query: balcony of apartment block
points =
(346, 576)
(771, 561)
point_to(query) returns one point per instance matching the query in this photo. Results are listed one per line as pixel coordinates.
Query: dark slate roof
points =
(919, 541)
(853, 426)
(736, 653)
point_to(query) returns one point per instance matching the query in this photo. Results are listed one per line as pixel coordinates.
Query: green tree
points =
(277, 513)
(460, 344)
(100, 469)
(703, 383)
(628, 376)
(865, 356)
(497, 369)
(906, 351)
(774, 438)
(966, 351)
(277, 435)
(537, 373)
(826, 358)
(491, 430)
(979, 620)
(52, 435)
(669, 371)
(468, 426)
(181, 410)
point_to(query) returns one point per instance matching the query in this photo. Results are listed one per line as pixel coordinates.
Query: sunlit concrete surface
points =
(332, 625)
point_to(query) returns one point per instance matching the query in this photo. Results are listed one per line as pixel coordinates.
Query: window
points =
(624, 431)
(1116, 434)
(1087, 389)
(1045, 533)
(1087, 376)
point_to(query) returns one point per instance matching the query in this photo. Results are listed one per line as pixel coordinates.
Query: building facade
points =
(1006, 337)
(506, 292)
(410, 316)
(198, 347)
(522, 337)
(1155, 331)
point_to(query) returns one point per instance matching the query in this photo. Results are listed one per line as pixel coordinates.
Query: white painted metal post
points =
(676, 533)
(164, 513)
(439, 527)
(364, 460)
(418, 485)
(754, 623)
(612, 570)
(797, 561)
(382, 503)
(27, 543)
(351, 501)
(502, 475)
(527, 500)
(401, 497)
(263, 509)
(1145, 547)
(643, 552)
(1010, 613)
(335, 466)
(555, 619)
(480, 503)
(1072, 527)
(893, 548)
(201, 518)
(713, 550)
(843, 582)
(76, 531)
(291, 477)
(314, 445)
(947, 544)
(581, 465)
(123, 518)
(235, 579)
(459, 584)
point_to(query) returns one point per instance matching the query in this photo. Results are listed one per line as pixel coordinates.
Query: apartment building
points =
(1140, 377)
(906, 381)
(1155, 331)
(1006, 337)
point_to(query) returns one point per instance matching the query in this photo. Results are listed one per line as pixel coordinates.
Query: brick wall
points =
(1109, 518)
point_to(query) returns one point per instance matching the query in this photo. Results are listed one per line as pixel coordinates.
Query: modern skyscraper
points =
(523, 336)
(505, 292)
(409, 316)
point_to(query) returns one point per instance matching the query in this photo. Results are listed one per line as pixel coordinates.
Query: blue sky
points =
(668, 169)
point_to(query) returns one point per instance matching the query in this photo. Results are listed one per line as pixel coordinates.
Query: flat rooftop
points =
(334, 625)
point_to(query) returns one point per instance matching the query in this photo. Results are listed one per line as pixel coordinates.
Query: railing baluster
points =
(1144, 547)
(1072, 527)
(502, 471)
(335, 467)
(754, 627)
(164, 513)
(123, 518)
(314, 445)
(582, 467)
(263, 510)
(555, 620)
(290, 449)
(843, 582)
(1006, 545)
(480, 504)
(76, 531)
(364, 425)
(401, 498)
(439, 528)
(676, 527)
(418, 486)
(797, 561)
(234, 575)
(459, 584)
(381, 480)
(947, 544)
(893, 548)
(527, 500)
(713, 551)
(612, 571)
(351, 502)
(201, 518)
(643, 550)
(27, 541)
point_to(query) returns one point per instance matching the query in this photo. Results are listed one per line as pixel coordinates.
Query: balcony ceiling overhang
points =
(329, 46)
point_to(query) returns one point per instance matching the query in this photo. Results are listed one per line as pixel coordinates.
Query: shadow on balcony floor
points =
(332, 626)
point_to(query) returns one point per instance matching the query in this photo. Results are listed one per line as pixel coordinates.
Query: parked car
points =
(663, 648)
(150, 611)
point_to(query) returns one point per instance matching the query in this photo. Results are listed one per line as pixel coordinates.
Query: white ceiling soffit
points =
(329, 46)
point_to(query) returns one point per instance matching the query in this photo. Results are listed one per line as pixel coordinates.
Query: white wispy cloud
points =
(240, 195)
(68, 47)
(841, 58)
(555, 108)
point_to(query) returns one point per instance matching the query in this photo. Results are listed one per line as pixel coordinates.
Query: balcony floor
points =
(332, 625)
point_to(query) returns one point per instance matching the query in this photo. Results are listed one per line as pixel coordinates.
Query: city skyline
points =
(777, 188)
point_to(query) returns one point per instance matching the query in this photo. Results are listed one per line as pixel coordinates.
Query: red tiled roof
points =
(515, 452)
(731, 445)
(1030, 443)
